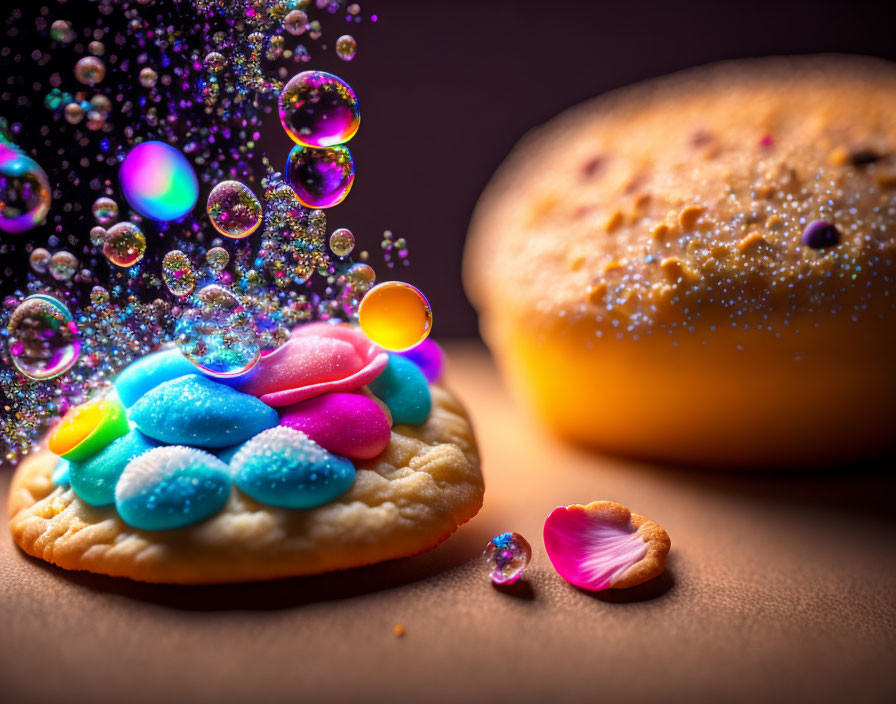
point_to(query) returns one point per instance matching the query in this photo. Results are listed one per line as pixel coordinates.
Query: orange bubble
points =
(395, 315)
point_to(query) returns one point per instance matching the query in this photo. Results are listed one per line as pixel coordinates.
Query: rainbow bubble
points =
(321, 178)
(395, 315)
(43, 338)
(24, 191)
(318, 109)
(158, 181)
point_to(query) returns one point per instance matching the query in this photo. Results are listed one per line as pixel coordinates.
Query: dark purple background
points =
(447, 88)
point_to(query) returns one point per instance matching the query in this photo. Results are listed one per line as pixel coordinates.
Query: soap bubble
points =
(90, 70)
(177, 273)
(318, 109)
(158, 181)
(321, 178)
(506, 557)
(63, 265)
(148, 77)
(73, 113)
(61, 31)
(125, 244)
(105, 211)
(346, 47)
(43, 338)
(395, 315)
(24, 192)
(98, 236)
(217, 334)
(40, 260)
(99, 296)
(217, 258)
(360, 277)
(215, 61)
(234, 209)
(295, 22)
(342, 242)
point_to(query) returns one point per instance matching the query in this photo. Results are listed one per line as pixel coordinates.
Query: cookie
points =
(404, 502)
(699, 268)
(207, 482)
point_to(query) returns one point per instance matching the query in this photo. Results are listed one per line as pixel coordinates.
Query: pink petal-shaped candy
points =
(352, 425)
(319, 358)
(604, 546)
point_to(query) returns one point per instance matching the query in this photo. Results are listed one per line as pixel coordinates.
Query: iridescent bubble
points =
(61, 31)
(148, 77)
(233, 209)
(395, 315)
(360, 277)
(90, 70)
(24, 192)
(346, 47)
(215, 61)
(217, 258)
(177, 273)
(74, 113)
(342, 242)
(40, 260)
(506, 557)
(217, 334)
(321, 178)
(318, 109)
(43, 338)
(158, 181)
(295, 22)
(105, 211)
(63, 265)
(98, 236)
(99, 296)
(125, 244)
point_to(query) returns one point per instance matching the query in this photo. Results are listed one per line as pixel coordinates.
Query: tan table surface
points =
(779, 588)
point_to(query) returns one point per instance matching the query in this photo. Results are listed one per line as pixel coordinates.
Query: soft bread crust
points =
(405, 501)
(638, 270)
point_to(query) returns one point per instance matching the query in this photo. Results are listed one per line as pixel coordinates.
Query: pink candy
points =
(352, 425)
(320, 358)
(594, 546)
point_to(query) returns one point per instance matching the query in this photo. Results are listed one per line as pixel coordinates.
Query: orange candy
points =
(88, 428)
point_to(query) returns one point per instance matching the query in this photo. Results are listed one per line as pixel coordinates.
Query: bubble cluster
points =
(43, 339)
(234, 209)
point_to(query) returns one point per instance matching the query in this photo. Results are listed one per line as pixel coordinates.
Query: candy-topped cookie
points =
(700, 269)
(332, 453)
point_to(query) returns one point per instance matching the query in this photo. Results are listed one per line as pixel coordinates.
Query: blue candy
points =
(171, 487)
(282, 467)
(94, 479)
(404, 389)
(148, 372)
(60, 474)
(226, 454)
(194, 410)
